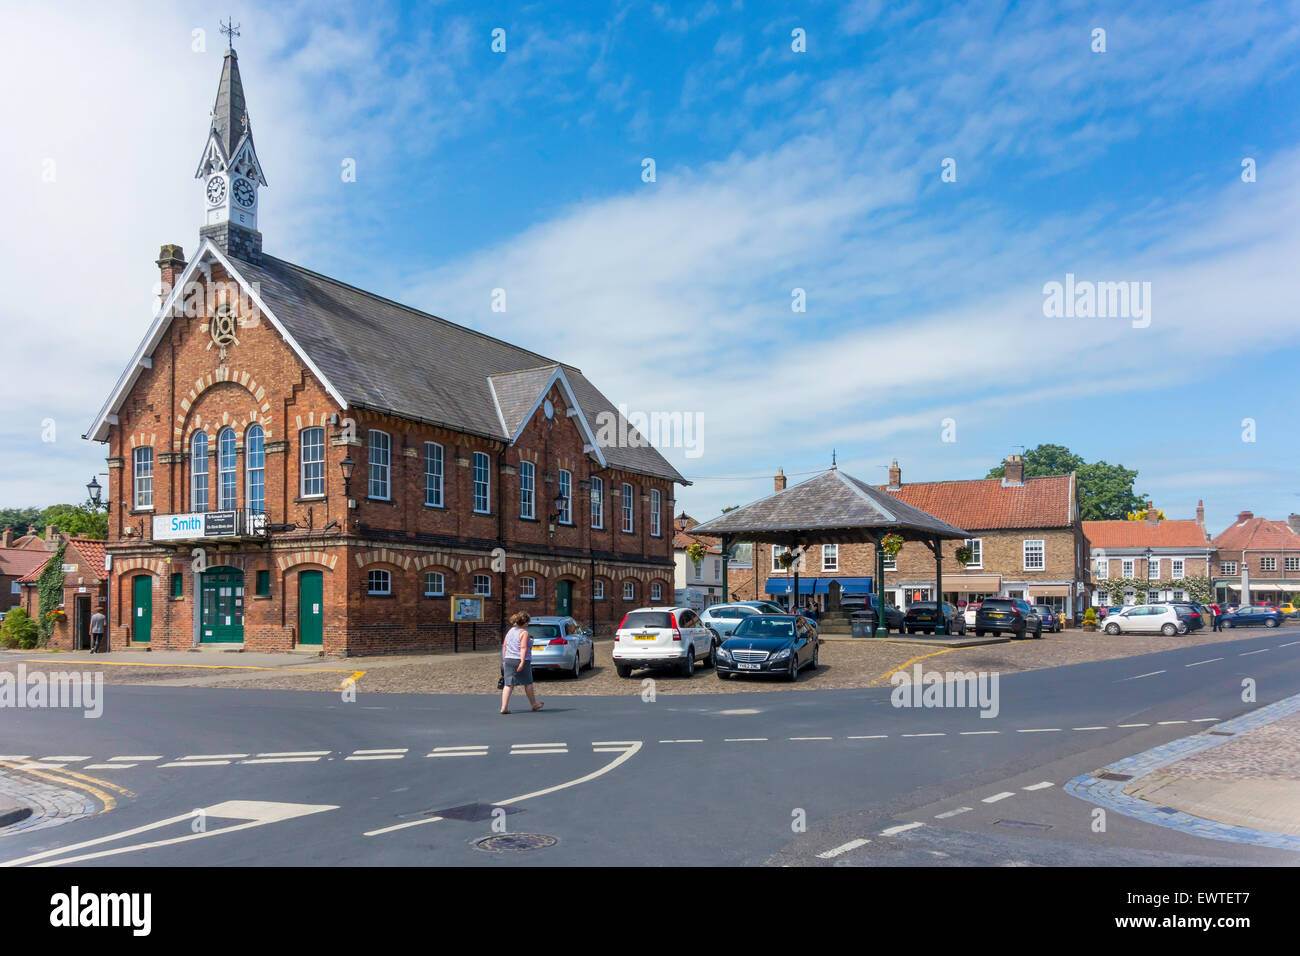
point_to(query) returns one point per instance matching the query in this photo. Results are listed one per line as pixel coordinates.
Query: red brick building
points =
(84, 588)
(1026, 541)
(294, 462)
(1257, 560)
(1159, 555)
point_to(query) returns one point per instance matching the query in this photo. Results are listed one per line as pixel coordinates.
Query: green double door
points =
(221, 592)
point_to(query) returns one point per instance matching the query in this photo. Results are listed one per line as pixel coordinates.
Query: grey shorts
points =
(517, 678)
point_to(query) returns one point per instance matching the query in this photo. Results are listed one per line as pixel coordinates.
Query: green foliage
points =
(49, 586)
(1199, 589)
(1105, 490)
(730, 508)
(81, 521)
(892, 543)
(20, 519)
(1090, 615)
(695, 551)
(19, 630)
(964, 554)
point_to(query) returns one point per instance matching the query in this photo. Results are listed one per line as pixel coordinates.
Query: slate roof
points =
(984, 504)
(832, 507)
(1139, 534)
(1258, 534)
(396, 360)
(228, 113)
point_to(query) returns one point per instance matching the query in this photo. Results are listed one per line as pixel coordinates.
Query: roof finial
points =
(231, 30)
(833, 462)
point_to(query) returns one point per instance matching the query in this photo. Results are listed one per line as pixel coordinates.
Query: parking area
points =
(843, 664)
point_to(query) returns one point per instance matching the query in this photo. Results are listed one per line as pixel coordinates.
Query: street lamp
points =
(94, 489)
(346, 466)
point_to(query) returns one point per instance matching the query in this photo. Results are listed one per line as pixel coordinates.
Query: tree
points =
(20, 519)
(82, 521)
(731, 508)
(18, 630)
(1105, 490)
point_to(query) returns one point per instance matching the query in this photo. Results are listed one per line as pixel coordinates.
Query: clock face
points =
(216, 190)
(244, 194)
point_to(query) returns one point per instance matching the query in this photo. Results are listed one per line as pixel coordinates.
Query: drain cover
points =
(514, 842)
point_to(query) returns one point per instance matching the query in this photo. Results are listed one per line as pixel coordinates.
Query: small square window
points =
(528, 588)
(434, 584)
(379, 582)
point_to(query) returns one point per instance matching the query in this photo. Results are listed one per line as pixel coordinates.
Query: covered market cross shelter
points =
(832, 508)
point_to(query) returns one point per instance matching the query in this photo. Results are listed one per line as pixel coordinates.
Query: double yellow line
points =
(74, 781)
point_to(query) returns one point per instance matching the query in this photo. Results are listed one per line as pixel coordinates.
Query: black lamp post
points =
(94, 489)
(346, 466)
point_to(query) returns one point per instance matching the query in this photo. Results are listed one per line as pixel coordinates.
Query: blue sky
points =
(775, 170)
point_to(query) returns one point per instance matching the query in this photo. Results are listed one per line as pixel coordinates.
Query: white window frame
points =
(656, 516)
(379, 458)
(197, 461)
(597, 502)
(142, 478)
(566, 492)
(227, 470)
(830, 557)
(483, 585)
(1291, 563)
(976, 546)
(629, 515)
(1228, 567)
(528, 588)
(1268, 563)
(1041, 551)
(527, 490)
(373, 577)
(1127, 567)
(255, 468)
(441, 589)
(483, 484)
(434, 459)
(598, 590)
(306, 479)
(629, 591)
(656, 592)
(777, 551)
(1177, 570)
(1153, 569)
(717, 569)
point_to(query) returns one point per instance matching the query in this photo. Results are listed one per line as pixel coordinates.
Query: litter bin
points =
(863, 623)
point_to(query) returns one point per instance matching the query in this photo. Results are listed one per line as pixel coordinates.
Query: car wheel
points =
(1228, 624)
(816, 648)
(687, 667)
(793, 674)
(623, 670)
(1038, 634)
(1270, 623)
(577, 665)
(1112, 628)
(1168, 630)
(1020, 634)
(978, 632)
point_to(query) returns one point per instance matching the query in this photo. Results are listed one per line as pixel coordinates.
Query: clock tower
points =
(230, 171)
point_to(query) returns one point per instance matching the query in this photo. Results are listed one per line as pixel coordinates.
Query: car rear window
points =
(648, 619)
(921, 605)
(543, 632)
(764, 626)
(999, 605)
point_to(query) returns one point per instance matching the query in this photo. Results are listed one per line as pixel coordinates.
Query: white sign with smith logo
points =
(208, 524)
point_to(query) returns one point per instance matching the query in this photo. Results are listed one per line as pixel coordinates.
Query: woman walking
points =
(517, 663)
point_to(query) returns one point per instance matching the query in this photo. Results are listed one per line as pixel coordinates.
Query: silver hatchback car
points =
(559, 644)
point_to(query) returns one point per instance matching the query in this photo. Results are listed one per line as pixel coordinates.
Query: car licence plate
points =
(996, 614)
(748, 667)
(539, 647)
(643, 637)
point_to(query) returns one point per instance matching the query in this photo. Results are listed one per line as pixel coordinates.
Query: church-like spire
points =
(229, 168)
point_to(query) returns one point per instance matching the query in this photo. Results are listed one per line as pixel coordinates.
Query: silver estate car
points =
(559, 644)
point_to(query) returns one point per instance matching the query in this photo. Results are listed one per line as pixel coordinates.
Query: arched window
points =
(528, 587)
(226, 473)
(379, 582)
(311, 442)
(434, 584)
(199, 472)
(483, 585)
(255, 469)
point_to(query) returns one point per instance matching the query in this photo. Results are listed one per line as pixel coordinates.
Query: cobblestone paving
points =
(1271, 751)
(51, 804)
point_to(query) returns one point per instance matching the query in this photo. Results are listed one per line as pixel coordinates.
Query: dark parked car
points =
(1253, 615)
(1007, 615)
(858, 604)
(1194, 615)
(1053, 620)
(924, 615)
(770, 644)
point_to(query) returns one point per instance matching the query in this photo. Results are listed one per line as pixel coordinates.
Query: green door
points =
(564, 598)
(142, 607)
(222, 594)
(311, 597)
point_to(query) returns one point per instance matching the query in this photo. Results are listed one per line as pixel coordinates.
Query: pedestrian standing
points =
(517, 662)
(97, 624)
(1218, 617)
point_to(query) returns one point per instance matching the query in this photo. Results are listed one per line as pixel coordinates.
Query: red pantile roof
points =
(985, 503)
(19, 561)
(91, 551)
(1139, 534)
(683, 540)
(1258, 534)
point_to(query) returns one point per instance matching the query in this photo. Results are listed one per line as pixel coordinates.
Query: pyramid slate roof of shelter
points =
(830, 508)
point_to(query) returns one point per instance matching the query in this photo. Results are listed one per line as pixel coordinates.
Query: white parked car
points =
(658, 636)
(969, 613)
(1147, 619)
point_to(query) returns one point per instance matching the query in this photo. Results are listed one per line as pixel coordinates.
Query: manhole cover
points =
(514, 842)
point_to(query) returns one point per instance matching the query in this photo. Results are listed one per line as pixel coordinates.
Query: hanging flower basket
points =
(57, 615)
(892, 543)
(695, 552)
(964, 554)
(786, 559)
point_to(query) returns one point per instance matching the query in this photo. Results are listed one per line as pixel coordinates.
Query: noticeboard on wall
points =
(466, 608)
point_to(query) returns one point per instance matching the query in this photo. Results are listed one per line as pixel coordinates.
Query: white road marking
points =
(15, 756)
(1089, 728)
(1152, 674)
(538, 750)
(1289, 643)
(870, 737)
(196, 763)
(256, 813)
(812, 738)
(614, 743)
(1135, 725)
(1165, 723)
(1039, 786)
(375, 757)
(1206, 720)
(108, 766)
(1260, 651)
(843, 848)
(67, 759)
(999, 796)
(628, 751)
(137, 759)
(925, 735)
(952, 813)
(40, 765)
(978, 733)
(741, 740)
(683, 741)
(298, 753)
(1040, 730)
(1199, 663)
(212, 757)
(478, 750)
(903, 828)
(281, 760)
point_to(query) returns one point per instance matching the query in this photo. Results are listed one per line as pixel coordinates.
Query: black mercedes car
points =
(770, 644)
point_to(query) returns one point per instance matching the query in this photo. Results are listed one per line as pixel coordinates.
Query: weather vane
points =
(231, 29)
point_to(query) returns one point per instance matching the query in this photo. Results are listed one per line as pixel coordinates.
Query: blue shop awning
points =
(847, 585)
(782, 585)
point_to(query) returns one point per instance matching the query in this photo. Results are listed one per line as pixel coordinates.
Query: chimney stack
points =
(7, 541)
(1245, 516)
(171, 263)
(1015, 470)
(1152, 516)
(51, 538)
(895, 476)
(1200, 512)
(778, 482)
(1294, 521)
